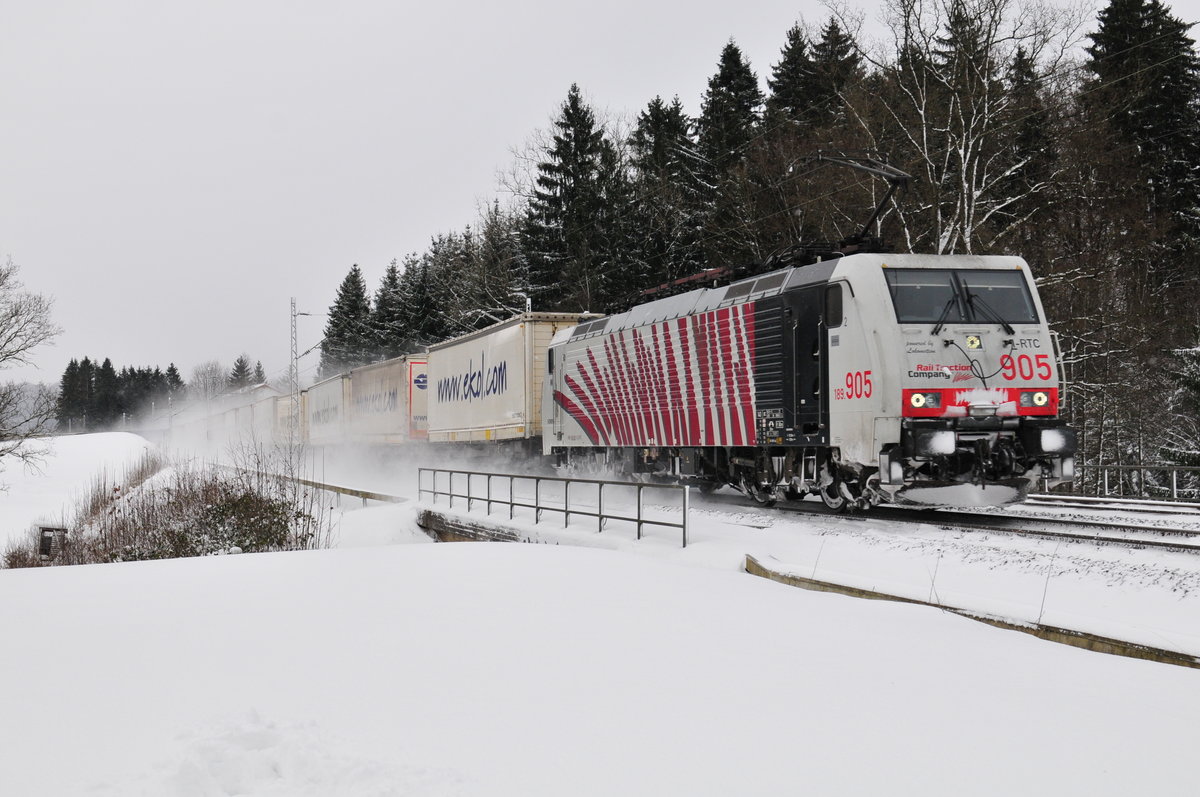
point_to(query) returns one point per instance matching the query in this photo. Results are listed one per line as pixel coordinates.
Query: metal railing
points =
(335, 489)
(467, 480)
(1173, 482)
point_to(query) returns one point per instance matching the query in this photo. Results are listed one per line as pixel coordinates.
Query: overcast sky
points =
(172, 172)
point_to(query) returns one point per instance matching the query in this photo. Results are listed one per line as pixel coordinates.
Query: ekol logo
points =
(421, 381)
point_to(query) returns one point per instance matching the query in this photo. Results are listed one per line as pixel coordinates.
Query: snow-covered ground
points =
(1147, 596)
(47, 492)
(491, 669)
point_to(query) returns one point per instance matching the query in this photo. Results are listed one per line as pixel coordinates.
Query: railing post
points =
(468, 475)
(686, 504)
(1105, 474)
(1174, 483)
(489, 494)
(600, 509)
(639, 511)
(537, 501)
(512, 498)
(566, 504)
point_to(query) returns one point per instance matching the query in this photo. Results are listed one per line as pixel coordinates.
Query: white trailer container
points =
(325, 410)
(388, 401)
(487, 385)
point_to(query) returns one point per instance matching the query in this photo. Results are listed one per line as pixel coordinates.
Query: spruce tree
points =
(159, 393)
(669, 190)
(728, 125)
(241, 375)
(792, 83)
(729, 115)
(388, 323)
(260, 374)
(69, 410)
(493, 282)
(1033, 153)
(86, 397)
(564, 236)
(836, 66)
(1147, 80)
(106, 402)
(348, 342)
(175, 387)
(422, 320)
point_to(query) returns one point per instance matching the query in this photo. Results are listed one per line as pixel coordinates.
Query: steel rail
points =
(1017, 526)
(1147, 505)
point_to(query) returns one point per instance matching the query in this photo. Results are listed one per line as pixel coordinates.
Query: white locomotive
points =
(865, 378)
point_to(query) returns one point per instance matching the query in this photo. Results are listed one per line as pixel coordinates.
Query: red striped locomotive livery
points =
(681, 382)
(861, 379)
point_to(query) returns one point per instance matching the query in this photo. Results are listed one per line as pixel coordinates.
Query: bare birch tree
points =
(948, 113)
(208, 381)
(25, 324)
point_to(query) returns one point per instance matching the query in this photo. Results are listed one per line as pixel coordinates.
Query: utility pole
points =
(293, 387)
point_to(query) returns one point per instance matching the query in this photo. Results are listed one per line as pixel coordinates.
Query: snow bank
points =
(48, 492)
(485, 669)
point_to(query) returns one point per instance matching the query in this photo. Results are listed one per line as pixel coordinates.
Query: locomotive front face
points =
(977, 380)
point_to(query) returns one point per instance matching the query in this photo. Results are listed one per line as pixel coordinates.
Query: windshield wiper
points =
(988, 311)
(941, 322)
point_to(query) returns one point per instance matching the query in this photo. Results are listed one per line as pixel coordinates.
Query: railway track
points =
(1096, 532)
(1144, 505)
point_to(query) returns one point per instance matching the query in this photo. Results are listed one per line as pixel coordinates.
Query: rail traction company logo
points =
(421, 382)
(954, 373)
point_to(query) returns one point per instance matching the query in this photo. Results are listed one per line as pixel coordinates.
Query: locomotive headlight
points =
(925, 400)
(1035, 398)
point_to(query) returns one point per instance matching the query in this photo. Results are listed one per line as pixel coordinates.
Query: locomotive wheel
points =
(761, 495)
(832, 493)
(764, 497)
(832, 497)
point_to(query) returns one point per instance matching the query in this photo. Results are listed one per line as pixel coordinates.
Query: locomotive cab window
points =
(1004, 293)
(833, 306)
(924, 295)
(932, 296)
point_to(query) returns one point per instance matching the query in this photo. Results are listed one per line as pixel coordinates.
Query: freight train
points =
(860, 379)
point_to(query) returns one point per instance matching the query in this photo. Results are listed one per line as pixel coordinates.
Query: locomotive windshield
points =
(941, 296)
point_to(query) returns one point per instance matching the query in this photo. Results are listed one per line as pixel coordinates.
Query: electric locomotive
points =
(864, 378)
